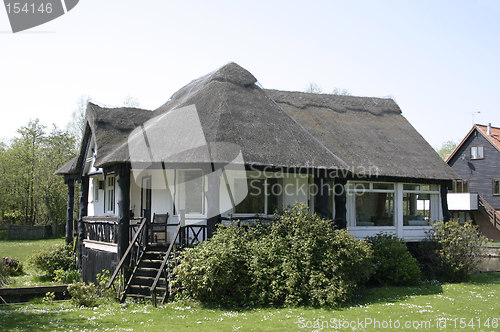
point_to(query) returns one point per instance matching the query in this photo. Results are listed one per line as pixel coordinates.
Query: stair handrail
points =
(491, 211)
(126, 254)
(163, 263)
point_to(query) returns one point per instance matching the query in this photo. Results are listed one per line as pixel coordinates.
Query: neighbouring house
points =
(223, 148)
(476, 194)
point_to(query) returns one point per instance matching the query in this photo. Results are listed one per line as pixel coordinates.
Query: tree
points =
(130, 101)
(340, 92)
(313, 88)
(446, 149)
(76, 128)
(30, 193)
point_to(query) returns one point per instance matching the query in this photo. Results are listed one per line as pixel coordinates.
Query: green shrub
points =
(66, 276)
(4, 278)
(12, 266)
(299, 259)
(429, 261)
(83, 294)
(459, 247)
(216, 270)
(59, 257)
(394, 265)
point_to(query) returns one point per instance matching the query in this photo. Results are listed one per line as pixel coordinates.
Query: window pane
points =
(496, 187)
(192, 188)
(254, 201)
(480, 152)
(375, 209)
(466, 186)
(411, 187)
(473, 152)
(459, 186)
(359, 186)
(416, 209)
(275, 195)
(383, 186)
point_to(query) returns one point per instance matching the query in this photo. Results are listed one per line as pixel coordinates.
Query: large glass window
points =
(265, 196)
(374, 203)
(420, 204)
(254, 202)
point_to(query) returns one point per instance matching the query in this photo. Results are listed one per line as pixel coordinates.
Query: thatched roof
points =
(365, 132)
(269, 127)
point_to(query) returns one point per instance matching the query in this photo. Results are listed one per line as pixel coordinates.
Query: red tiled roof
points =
(495, 134)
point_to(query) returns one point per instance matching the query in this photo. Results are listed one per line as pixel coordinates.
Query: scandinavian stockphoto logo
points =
(26, 14)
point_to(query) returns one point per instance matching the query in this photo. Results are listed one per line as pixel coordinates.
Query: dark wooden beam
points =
(340, 220)
(70, 209)
(444, 201)
(84, 200)
(322, 194)
(123, 200)
(213, 201)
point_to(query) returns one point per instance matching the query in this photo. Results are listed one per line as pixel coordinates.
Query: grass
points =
(22, 249)
(425, 306)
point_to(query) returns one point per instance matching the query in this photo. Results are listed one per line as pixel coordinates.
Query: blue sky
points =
(438, 59)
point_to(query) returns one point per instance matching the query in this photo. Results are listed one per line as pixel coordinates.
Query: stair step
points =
(139, 296)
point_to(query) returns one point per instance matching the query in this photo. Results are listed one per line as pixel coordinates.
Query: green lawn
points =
(461, 307)
(22, 249)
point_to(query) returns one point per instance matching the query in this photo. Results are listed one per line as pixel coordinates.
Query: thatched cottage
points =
(223, 147)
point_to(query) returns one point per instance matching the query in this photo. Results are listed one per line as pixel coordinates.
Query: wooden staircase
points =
(145, 273)
(145, 268)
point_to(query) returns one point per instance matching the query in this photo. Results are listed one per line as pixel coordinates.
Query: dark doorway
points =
(146, 197)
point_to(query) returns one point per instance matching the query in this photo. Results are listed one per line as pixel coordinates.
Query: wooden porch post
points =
(444, 202)
(212, 194)
(70, 209)
(84, 199)
(322, 198)
(123, 200)
(340, 203)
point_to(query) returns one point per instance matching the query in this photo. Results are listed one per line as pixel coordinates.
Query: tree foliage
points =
(30, 193)
(446, 149)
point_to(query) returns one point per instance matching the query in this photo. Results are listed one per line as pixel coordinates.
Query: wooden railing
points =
(133, 254)
(163, 270)
(492, 214)
(102, 229)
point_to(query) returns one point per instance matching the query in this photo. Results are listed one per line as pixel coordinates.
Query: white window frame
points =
(110, 192)
(434, 200)
(351, 203)
(266, 195)
(476, 152)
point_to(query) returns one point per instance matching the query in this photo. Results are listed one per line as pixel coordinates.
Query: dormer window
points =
(476, 152)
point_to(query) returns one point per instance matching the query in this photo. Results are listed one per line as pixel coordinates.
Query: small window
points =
(110, 194)
(476, 152)
(496, 186)
(96, 190)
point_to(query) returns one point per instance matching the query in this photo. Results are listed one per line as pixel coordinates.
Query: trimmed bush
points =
(59, 257)
(459, 247)
(12, 266)
(297, 260)
(394, 265)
